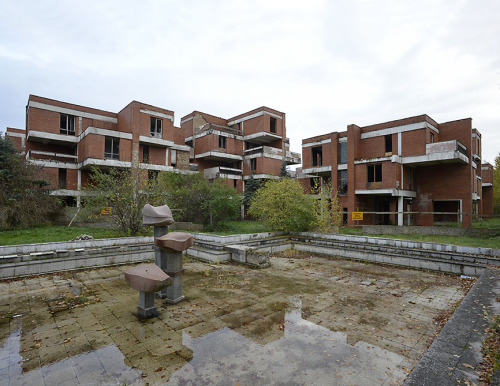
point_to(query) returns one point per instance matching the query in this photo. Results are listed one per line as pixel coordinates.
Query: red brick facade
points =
(67, 139)
(412, 166)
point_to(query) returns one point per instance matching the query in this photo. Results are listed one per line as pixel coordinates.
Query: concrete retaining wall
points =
(425, 231)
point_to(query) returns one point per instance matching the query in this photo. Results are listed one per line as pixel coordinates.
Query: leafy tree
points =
(496, 184)
(24, 198)
(196, 199)
(125, 191)
(222, 204)
(251, 186)
(186, 193)
(283, 205)
(327, 209)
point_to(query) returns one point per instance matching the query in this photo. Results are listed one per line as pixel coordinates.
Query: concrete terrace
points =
(304, 320)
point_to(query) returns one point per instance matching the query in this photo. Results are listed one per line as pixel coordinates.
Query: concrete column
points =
(174, 270)
(146, 307)
(160, 255)
(400, 210)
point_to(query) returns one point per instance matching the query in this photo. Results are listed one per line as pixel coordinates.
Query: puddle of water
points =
(305, 353)
(98, 367)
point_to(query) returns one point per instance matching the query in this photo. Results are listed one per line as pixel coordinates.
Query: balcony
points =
(262, 137)
(55, 138)
(291, 158)
(222, 172)
(438, 153)
(155, 141)
(318, 170)
(214, 155)
(51, 159)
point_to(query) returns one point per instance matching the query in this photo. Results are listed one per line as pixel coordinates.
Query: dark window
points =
(343, 182)
(235, 183)
(153, 175)
(317, 156)
(145, 154)
(222, 142)
(344, 216)
(62, 179)
(375, 173)
(432, 137)
(343, 152)
(155, 126)
(67, 124)
(112, 148)
(272, 125)
(388, 143)
(253, 164)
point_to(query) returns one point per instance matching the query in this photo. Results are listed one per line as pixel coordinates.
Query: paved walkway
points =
(455, 354)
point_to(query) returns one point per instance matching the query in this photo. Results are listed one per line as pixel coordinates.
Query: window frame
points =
(154, 130)
(114, 148)
(340, 152)
(68, 127)
(342, 187)
(374, 173)
(222, 142)
(253, 164)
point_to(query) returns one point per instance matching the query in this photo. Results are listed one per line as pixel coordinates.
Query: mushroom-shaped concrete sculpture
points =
(171, 245)
(147, 279)
(175, 241)
(157, 215)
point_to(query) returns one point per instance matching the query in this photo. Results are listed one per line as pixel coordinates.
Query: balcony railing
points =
(440, 152)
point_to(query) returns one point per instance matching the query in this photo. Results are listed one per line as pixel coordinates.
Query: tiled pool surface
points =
(302, 321)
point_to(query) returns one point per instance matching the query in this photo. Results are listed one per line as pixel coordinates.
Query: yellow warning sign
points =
(357, 216)
(106, 210)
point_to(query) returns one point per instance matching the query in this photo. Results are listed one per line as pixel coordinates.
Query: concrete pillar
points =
(146, 308)
(400, 210)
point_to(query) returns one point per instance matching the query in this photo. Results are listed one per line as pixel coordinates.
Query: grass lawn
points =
(471, 241)
(54, 233)
(63, 233)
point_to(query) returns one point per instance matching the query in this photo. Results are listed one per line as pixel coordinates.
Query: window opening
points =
(374, 173)
(67, 124)
(253, 164)
(432, 137)
(343, 152)
(155, 126)
(272, 125)
(145, 154)
(317, 156)
(112, 148)
(62, 179)
(342, 182)
(388, 143)
(222, 142)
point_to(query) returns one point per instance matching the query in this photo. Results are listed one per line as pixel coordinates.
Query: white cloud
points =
(325, 63)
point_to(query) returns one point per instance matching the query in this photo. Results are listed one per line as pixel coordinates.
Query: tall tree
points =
(125, 192)
(24, 198)
(496, 184)
(251, 186)
(283, 205)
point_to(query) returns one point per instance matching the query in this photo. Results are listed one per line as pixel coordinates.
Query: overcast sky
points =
(326, 64)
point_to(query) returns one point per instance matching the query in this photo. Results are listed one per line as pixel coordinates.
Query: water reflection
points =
(98, 367)
(305, 354)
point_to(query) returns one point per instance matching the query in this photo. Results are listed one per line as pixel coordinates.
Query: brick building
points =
(410, 167)
(251, 143)
(67, 139)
